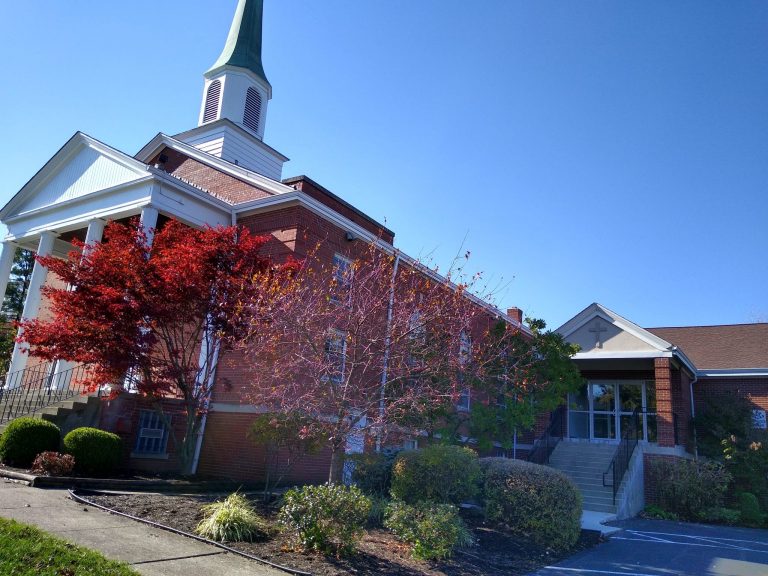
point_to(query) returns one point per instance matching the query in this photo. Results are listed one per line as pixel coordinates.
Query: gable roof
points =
(731, 346)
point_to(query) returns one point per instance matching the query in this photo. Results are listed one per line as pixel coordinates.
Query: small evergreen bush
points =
(25, 438)
(232, 520)
(749, 509)
(372, 472)
(532, 500)
(720, 515)
(433, 530)
(329, 518)
(96, 452)
(53, 464)
(437, 473)
(686, 487)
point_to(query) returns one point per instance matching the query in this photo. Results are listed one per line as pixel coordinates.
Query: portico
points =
(85, 185)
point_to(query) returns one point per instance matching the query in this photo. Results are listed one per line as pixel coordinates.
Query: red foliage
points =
(139, 315)
(53, 464)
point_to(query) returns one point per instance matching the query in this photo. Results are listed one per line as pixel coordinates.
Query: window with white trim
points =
(342, 277)
(152, 437)
(410, 444)
(336, 355)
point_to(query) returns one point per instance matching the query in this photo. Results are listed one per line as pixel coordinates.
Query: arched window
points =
(252, 109)
(212, 101)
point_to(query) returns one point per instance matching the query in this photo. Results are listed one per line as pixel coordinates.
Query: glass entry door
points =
(601, 409)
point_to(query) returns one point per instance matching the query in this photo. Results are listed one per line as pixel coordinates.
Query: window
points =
(211, 110)
(410, 444)
(463, 404)
(153, 434)
(342, 277)
(252, 112)
(335, 355)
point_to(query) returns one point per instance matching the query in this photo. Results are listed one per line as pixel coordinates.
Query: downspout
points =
(387, 343)
(209, 384)
(693, 419)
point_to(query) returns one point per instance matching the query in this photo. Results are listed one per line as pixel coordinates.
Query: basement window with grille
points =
(152, 438)
(252, 109)
(212, 101)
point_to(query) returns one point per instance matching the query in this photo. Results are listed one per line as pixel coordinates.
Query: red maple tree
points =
(366, 346)
(153, 318)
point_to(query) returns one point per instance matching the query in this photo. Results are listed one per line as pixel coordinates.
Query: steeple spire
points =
(243, 47)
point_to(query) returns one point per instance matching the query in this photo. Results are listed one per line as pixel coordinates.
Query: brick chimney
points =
(516, 314)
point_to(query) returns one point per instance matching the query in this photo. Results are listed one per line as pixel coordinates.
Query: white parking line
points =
(720, 546)
(588, 571)
(758, 542)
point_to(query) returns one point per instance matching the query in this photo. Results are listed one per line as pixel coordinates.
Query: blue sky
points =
(583, 151)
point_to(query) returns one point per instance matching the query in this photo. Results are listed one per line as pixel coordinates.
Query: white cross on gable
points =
(597, 328)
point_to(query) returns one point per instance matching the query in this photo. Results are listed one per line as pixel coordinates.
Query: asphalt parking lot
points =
(661, 548)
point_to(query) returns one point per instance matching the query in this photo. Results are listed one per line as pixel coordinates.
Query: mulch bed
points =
(379, 552)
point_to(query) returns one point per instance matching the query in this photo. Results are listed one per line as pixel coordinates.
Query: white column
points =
(149, 222)
(59, 377)
(33, 299)
(6, 263)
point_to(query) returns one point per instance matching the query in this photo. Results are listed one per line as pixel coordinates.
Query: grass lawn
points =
(27, 551)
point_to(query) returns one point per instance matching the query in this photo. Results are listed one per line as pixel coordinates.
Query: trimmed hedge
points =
(536, 501)
(25, 438)
(433, 530)
(687, 487)
(437, 473)
(96, 452)
(329, 518)
(372, 472)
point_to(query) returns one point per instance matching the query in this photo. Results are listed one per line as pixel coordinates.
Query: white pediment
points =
(598, 330)
(83, 166)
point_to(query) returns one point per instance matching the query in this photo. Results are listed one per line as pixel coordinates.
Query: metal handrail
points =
(545, 444)
(620, 462)
(27, 391)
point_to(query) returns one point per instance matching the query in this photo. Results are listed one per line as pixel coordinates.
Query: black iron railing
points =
(546, 443)
(630, 436)
(30, 390)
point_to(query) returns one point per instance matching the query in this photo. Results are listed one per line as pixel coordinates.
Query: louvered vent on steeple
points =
(252, 112)
(212, 102)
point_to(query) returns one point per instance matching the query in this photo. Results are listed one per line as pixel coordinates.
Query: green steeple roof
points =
(243, 47)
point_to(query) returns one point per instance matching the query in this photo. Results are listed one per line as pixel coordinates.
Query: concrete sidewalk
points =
(149, 550)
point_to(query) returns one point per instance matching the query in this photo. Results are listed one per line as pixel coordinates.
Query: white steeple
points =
(236, 92)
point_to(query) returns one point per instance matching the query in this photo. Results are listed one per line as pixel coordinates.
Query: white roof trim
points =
(619, 355)
(596, 310)
(303, 199)
(733, 373)
(254, 178)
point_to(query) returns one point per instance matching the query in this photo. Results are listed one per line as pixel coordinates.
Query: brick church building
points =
(222, 172)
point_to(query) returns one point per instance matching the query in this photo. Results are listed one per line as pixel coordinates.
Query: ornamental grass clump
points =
(532, 500)
(232, 520)
(329, 518)
(433, 530)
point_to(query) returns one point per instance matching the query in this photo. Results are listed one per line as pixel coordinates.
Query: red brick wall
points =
(754, 389)
(664, 400)
(228, 453)
(222, 185)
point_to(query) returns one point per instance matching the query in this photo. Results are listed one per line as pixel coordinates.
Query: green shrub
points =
(377, 511)
(25, 438)
(232, 520)
(687, 487)
(653, 511)
(96, 451)
(53, 464)
(372, 472)
(533, 500)
(437, 473)
(723, 416)
(720, 515)
(328, 518)
(433, 530)
(749, 509)
(747, 461)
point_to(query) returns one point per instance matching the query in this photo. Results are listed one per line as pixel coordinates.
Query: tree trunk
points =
(337, 464)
